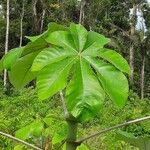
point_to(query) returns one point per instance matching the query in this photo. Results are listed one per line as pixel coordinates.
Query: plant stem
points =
(72, 135)
(19, 141)
(112, 128)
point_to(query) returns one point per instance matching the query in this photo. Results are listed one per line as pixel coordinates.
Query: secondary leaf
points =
(20, 74)
(53, 78)
(84, 94)
(113, 81)
(11, 57)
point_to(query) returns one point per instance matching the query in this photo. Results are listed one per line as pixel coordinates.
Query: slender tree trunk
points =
(81, 17)
(142, 77)
(6, 41)
(133, 24)
(42, 20)
(35, 26)
(21, 24)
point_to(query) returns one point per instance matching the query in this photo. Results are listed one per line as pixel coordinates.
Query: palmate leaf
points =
(84, 94)
(53, 54)
(84, 100)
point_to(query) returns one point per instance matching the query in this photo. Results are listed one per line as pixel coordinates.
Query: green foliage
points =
(21, 109)
(51, 56)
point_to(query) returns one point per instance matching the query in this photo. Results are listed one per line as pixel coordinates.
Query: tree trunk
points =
(133, 24)
(81, 17)
(142, 77)
(42, 20)
(21, 24)
(6, 41)
(35, 26)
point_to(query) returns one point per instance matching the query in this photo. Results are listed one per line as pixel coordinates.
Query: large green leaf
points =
(95, 41)
(62, 39)
(79, 35)
(11, 57)
(111, 56)
(49, 56)
(113, 81)
(20, 73)
(53, 78)
(84, 94)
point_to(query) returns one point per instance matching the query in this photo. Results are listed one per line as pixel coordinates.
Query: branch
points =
(19, 141)
(112, 128)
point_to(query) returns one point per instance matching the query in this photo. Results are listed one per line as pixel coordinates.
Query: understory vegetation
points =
(21, 108)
